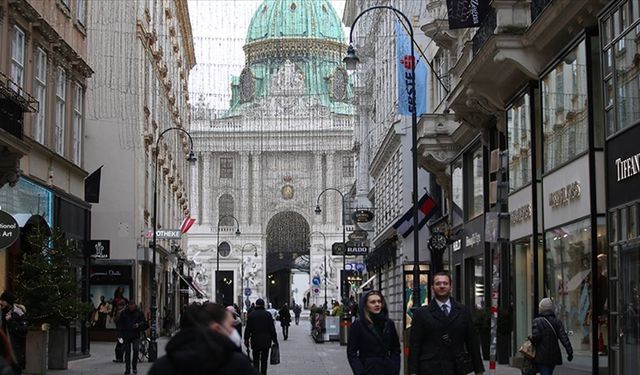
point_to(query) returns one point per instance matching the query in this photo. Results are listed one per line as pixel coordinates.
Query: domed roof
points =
(277, 19)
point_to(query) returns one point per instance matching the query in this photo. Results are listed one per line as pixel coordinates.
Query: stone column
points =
(257, 189)
(243, 215)
(318, 188)
(331, 196)
(194, 191)
(206, 191)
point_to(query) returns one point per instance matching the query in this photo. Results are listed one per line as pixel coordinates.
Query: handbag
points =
(274, 357)
(464, 363)
(528, 349)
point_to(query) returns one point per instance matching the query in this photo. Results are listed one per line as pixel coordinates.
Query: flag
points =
(187, 223)
(92, 186)
(466, 13)
(406, 85)
(426, 209)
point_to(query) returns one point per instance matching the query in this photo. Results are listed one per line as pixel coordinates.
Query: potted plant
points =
(46, 284)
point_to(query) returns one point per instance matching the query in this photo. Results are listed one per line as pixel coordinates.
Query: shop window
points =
(475, 282)
(475, 174)
(522, 279)
(565, 113)
(519, 136)
(457, 189)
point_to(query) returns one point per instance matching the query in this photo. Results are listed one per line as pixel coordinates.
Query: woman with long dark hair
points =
(374, 346)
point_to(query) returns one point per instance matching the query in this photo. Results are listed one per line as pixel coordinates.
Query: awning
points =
(200, 294)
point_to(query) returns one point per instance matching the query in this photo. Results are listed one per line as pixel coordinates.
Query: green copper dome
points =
(295, 19)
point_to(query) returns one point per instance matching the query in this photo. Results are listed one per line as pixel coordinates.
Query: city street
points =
(299, 355)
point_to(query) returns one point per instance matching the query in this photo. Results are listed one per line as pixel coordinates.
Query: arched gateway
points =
(287, 257)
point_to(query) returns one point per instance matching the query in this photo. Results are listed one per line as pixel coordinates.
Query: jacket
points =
(200, 351)
(260, 330)
(545, 340)
(431, 352)
(126, 324)
(16, 327)
(369, 352)
(284, 316)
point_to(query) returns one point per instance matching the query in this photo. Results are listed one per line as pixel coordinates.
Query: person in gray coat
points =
(546, 331)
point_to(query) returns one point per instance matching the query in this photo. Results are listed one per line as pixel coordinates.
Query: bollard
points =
(345, 328)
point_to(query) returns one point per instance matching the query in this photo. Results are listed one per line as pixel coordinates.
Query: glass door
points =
(630, 285)
(522, 289)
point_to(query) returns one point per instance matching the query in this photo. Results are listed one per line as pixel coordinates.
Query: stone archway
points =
(287, 255)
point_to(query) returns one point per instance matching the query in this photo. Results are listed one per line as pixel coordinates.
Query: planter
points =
(36, 361)
(58, 348)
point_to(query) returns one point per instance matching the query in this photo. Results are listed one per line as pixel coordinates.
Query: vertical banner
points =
(406, 82)
(466, 13)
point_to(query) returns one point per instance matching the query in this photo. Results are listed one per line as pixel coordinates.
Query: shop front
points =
(111, 281)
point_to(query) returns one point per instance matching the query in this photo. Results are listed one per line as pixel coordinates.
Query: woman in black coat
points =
(373, 347)
(284, 316)
(546, 332)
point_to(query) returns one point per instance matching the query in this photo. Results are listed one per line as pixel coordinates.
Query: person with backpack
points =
(546, 331)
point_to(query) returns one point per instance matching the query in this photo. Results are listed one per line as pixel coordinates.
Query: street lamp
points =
(153, 344)
(218, 249)
(255, 255)
(325, 264)
(351, 60)
(318, 211)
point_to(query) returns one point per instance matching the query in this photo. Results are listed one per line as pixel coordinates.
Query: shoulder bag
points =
(274, 358)
(528, 349)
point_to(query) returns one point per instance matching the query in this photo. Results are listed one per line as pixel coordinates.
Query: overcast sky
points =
(219, 31)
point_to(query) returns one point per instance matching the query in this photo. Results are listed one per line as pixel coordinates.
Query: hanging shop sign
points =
(358, 235)
(338, 248)
(9, 230)
(164, 234)
(474, 235)
(362, 216)
(565, 195)
(98, 249)
(356, 248)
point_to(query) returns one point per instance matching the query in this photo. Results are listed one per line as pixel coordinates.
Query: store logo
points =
(628, 167)
(565, 195)
(521, 214)
(472, 240)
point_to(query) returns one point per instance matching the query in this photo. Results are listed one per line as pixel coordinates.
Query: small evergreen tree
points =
(46, 282)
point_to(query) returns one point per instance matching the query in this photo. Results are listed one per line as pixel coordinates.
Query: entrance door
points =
(630, 274)
(224, 287)
(279, 288)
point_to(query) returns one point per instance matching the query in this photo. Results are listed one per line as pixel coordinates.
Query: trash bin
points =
(345, 328)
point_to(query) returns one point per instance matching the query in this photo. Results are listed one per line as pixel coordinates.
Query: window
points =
(519, 135)
(17, 57)
(457, 190)
(61, 107)
(40, 90)
(565, 113)
(476, 184)
(347, 166)
(80, 12)
(225, 211)
(226, 167)
(77, 123)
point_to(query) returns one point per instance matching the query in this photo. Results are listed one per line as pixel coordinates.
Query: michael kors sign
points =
(565, 195)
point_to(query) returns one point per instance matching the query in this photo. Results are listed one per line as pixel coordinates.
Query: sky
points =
(219, 30)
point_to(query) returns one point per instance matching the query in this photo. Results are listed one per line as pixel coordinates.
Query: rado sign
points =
(565, 195)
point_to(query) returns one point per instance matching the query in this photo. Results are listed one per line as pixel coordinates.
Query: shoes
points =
(135, 371)
(118, 360)
(127, 372)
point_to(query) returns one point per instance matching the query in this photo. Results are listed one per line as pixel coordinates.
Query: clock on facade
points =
(438, 242)
(287, 192)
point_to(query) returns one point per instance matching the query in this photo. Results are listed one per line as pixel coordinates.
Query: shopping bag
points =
(275, 354)
(528, 349)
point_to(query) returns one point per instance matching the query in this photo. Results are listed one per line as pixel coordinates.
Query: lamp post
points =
(325, 265)
(351, 61)
(153, 345)
(218, 249)
(344, 237)
(255, 255)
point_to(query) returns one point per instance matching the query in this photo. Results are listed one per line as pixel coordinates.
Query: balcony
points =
(436, 26)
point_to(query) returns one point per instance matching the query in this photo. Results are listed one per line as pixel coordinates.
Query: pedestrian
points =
(104, 309)
(130, 323)
(284, 316)
(237, 321)
(14, 325)
(207, 343)
(8, 364)
(259, 334)
(119, 350)
(252, 308)
(297, 310)
(443, 339)
(546, 331)
(374, 346)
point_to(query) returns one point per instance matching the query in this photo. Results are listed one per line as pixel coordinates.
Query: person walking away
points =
(284, 315)
(297, 310)
(130, 323)
(259, 334)
(374, 346)
(546, 331)
(237, 321)
(443, 340)
(119, 350)
(14, 325)
(207, 343)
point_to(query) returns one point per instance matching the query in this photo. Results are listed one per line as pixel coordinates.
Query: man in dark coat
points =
(284, 316)
(207, 343)
(297, 310)
(546, 331)
(374, 346)
(260, 332)
(14, 325)
(441, 333)
(130, 324)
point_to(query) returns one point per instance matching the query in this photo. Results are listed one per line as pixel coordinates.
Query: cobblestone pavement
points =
(299, 355)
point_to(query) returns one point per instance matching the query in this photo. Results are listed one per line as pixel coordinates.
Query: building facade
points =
(283, 147)
(142, 54)
(43, 78)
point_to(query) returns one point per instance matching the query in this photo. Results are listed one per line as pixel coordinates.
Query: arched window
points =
(225, 211)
